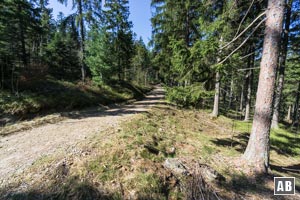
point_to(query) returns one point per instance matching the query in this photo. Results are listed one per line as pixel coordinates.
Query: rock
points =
(171, 150)
(174, 165)
(133, 194)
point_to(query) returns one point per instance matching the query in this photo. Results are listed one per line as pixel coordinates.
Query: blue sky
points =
(140, 14)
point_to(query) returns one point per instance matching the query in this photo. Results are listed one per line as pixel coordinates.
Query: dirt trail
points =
(20, 150)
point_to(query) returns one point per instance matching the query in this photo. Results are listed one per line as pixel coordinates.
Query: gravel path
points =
(20, 150)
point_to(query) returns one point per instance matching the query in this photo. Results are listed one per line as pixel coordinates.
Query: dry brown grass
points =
(118, 166)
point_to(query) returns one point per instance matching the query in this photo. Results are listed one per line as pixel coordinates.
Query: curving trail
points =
(20, 150)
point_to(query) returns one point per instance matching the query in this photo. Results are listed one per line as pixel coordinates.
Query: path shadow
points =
(104, 113)
(154, 98)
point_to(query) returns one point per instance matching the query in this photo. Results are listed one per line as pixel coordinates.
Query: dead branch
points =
(249, 26)
(242, 42)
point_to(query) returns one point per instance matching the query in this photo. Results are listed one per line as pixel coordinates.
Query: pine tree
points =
(84, 12)
(118, 27)
(99, 58)
(282, 62)
(257, 151)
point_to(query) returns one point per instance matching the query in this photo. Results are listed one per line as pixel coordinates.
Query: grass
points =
(51, 95)
(127, 162)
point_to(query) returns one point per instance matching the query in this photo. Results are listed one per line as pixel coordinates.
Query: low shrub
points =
(194, 95)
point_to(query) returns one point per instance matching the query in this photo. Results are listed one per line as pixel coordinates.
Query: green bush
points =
(187, 96)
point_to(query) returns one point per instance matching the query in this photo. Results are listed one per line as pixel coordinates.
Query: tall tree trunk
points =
(296, 108)
(242, 99)
(231, 92)
(282, 60)
(248, 96)
(258, 148)
(249, 83)
(81, 24)
(215, 112)
(289, 114)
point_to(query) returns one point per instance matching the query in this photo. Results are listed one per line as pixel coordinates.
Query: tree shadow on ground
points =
(238, 142)
(258, 185)
(154, 99)
(73, 189)
(243, 184)
(290, 170)
(281, 144)
(285, 144)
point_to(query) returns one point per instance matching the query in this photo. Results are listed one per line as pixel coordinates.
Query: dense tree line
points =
(93, 42)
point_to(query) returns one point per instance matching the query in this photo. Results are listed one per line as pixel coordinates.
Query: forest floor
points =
(21, 149)
(126, 153)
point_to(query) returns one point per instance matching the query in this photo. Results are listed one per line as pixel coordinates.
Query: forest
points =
(207, 109)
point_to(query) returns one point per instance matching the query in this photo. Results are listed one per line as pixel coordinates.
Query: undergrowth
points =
(52, 95)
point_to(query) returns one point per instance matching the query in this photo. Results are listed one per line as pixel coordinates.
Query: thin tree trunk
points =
(215, 112)
(258, 148)
(296, 108)
(81, 24)
(289, 114)
(231, 92)
(248, 99)
(12, 79)
(249, 83)
(242, 98)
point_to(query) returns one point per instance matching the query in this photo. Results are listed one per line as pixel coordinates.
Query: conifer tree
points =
(118, 27)
(257, 151)
(84, 12)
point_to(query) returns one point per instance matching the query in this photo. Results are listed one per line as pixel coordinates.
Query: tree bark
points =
(257, 151)
(215, 112)
(231, 92)
(296, 108)
(289, 114)
(249, 83)
(282, 60)
(81, 24)
(242, 98)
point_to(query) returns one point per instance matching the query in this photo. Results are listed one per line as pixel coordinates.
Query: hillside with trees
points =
(208, 109)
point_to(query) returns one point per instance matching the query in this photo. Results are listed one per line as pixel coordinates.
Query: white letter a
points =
(280, 186)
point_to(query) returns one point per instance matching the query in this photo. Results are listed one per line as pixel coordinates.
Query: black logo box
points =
(284, 185)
